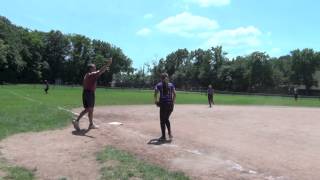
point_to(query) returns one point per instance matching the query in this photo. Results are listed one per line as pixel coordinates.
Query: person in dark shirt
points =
(210, 95)
(295, 92)
(46, 86)
(88, 94)
(166, 103)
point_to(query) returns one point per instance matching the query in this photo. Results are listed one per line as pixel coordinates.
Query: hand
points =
(157, 103)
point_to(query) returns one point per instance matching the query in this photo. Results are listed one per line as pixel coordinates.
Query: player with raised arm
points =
(88, 94)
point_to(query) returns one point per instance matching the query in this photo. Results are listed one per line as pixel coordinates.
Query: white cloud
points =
(186, 24)
(208, 3)
(275, 51)
(242, 36)
(148, 16)
(206, 32)
(144, 32)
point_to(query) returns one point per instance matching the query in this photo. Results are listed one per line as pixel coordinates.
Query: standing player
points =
(166, 103)
(295, 91)
(88, 94)
(210, 95)
(46, 86)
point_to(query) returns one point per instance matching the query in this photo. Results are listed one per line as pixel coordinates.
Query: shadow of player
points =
(159, 142)
(82, 132)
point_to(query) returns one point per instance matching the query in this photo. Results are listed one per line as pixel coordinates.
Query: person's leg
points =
(209, 100)
(162, 122)
(85, 102)
(92, 125)
(76, 122)
(169, 111)
(90, 111)
(212, 102)
(90, 115)
(82, 114)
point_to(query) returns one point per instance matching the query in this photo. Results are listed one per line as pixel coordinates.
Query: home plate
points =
(116, 123)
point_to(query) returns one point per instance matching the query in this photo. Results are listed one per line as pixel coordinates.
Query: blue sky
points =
(147, 30)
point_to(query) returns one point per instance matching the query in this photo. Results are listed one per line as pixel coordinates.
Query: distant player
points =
(46, 86)
(166, 103)
(210, 95)
(295, 92)
(88, 94)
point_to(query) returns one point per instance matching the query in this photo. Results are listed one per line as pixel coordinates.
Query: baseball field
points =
(241, 137)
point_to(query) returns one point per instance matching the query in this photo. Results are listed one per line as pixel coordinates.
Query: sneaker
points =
(76, 125)
(162, 138)
(93, 126)
(170, 136)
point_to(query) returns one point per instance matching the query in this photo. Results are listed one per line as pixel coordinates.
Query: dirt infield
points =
(225, 142)
(2, 174)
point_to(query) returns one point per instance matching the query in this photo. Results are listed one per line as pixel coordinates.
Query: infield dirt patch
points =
(225, 142)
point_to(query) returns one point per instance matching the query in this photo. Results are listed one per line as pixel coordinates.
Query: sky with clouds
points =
(147, 30)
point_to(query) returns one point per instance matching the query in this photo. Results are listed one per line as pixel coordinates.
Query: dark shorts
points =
(165, 111)
(88, 99)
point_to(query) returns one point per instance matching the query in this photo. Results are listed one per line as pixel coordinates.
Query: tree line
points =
(31, 56)
(256, 72)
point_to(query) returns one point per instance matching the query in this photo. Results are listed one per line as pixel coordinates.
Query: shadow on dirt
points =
(82, 132)
(159, 142)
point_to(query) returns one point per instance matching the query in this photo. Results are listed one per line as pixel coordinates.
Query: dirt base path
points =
(2, 174)
(225, 142)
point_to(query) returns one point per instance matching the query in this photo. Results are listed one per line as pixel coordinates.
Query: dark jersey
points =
(165, 98)
(210, 91)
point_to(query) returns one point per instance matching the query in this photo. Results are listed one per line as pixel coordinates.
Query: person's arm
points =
(155, 96)
(105, 67)
(174, 95)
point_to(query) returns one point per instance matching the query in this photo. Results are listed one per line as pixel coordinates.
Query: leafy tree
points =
(32, 55)
(56, 53)
(304, 65)
(175, 60)
(240, 74)
(80, 55)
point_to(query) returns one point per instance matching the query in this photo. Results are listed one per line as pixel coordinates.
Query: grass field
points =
(26, 108)
(14, 172)
(122, 165)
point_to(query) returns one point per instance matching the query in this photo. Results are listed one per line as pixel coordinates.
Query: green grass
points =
(266, 100)
(19, 173)
(21, 115)
(122, 165)
(17, 114)
(15, 172)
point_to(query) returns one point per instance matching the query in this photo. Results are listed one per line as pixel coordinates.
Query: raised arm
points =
(105, 67)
